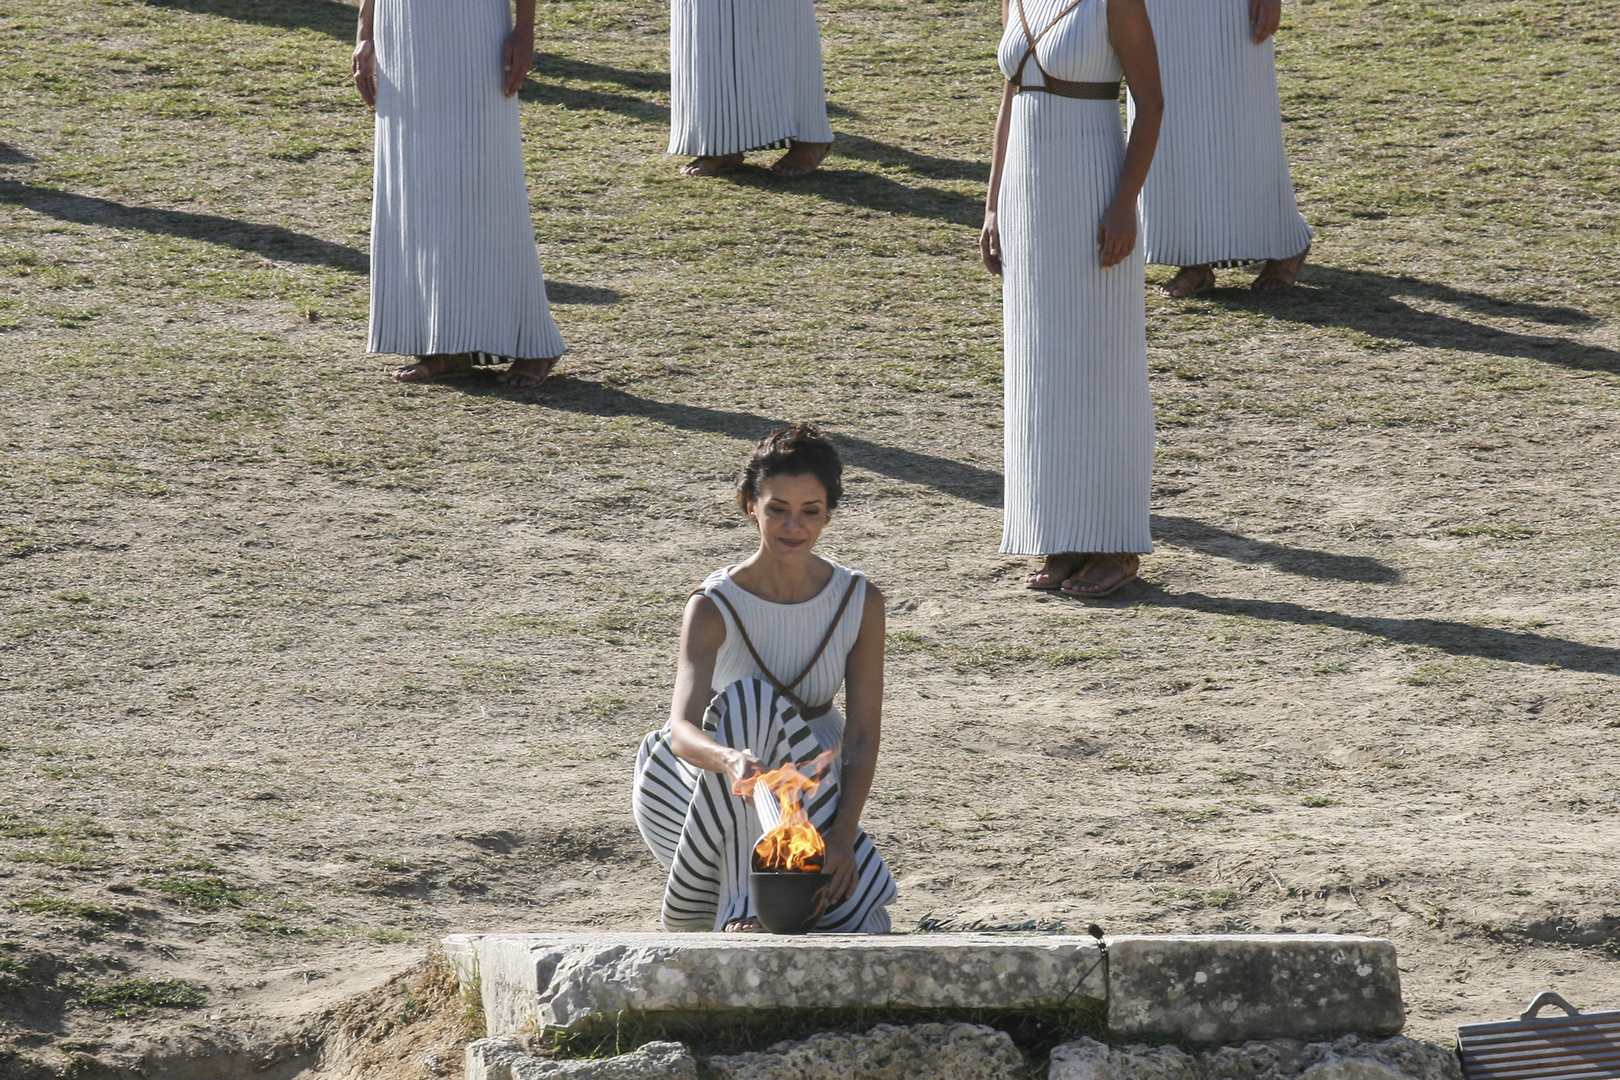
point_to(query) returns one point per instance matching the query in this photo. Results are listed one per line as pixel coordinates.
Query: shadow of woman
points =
(1385, 308)
(323, 16)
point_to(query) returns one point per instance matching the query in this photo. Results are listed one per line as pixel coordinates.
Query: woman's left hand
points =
(1116, 233)
(518, 59)
(1264, 18)
(841, 866)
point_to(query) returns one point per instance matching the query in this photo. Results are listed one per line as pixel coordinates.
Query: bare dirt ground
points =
(301, 670)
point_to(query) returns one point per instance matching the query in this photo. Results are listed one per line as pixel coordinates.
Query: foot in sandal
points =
(802, 159)
(1189, 281)
(436, 366)
(711, 164)
(1058, 569)
(749, 925)
(526, 374)
(1103, 576)
(1279, 274)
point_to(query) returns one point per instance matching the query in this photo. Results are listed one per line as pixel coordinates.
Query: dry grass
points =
(295, 662)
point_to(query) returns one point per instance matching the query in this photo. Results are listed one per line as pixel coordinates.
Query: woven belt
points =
(1087, 91)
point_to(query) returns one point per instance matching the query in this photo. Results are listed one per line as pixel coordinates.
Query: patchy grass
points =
(138, 996)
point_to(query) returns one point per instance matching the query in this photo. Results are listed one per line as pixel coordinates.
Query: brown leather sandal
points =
(1127, 565)
(436, 366)
(1189, 281)
(1279, 275)
(799, 172)
(712, 164)
(527, 380)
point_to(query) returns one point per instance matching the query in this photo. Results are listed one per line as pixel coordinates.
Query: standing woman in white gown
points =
(746, 75)
(1219, 193)
(455, 277)
(1060, 228)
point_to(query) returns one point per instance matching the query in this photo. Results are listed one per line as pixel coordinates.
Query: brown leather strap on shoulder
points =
(809, 712)
(1034, 39)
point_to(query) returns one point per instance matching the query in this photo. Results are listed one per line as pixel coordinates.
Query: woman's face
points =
(790, 512)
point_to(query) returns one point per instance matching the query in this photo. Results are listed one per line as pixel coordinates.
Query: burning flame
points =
(795, 844)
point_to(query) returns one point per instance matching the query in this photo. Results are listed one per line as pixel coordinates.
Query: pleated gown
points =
(700, 832)
(1079, 418)
(744, 75)
(1219, 190)
(453, 260)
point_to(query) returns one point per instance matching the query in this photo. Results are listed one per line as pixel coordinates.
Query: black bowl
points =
(788, 902)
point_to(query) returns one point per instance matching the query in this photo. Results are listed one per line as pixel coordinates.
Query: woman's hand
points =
(1264, 17)
(990, 243)
(363, 65)
(518, 59)
(841, 866)
(1116, 233)
(742, 766)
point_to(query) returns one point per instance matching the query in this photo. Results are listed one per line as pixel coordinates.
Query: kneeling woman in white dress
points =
(765, 646)
(1219, 193)
(455, 277)
(1060, 229)
(746, 75)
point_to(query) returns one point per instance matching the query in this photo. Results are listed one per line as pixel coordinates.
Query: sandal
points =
(527, 379)
(747, 925)
(1189, 281)
(1076, 562)
(1279, 275)
(435, 366)
(798, 171)
(1127, 565)
(711, 164)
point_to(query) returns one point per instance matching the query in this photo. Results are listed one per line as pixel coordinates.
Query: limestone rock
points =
(1228, 988)
(1349, 1058)
(887, 1052)
(505, 1059)
(564, 980)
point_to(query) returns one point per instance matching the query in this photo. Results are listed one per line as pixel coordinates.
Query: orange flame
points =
(795, 844)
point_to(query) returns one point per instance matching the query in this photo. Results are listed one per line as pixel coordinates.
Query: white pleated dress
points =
(1219, 190)
(1079, 418)
(744, 75)
(453, 262)
(697, 829)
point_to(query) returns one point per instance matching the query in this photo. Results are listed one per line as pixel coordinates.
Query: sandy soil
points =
(301, 670)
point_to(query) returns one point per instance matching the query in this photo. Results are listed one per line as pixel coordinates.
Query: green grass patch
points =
(65, 905)
(137, 996)
(207, 893)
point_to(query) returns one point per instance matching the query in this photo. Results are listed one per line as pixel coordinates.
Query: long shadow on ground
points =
(324, 16)
(1457, 638)
(956, 478)
(1378, 305)
(271, 241)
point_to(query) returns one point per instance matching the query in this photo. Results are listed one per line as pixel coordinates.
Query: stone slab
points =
(538, 981)
(1230, 988)
(1351, 1057)
(506, 1059)
(886, 1052)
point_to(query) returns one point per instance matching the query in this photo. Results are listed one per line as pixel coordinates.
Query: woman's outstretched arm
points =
(363, 64)
(863, 734)
(1132, 36)
(703, 631)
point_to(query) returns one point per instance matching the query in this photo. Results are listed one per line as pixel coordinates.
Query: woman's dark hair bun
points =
(796, 450)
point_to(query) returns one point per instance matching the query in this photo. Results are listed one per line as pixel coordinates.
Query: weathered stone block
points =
(505, 1059)
(887, 1052)
(1233, 988)
(1348, 1058)
(563, 980)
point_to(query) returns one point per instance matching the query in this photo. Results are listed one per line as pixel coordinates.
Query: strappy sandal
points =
(1189, 281)
(1077, 563)
(1279, 275)
(748, 925)
(529, 379)
(1128, 565)
(436, 366)
(711, 164)
(799, 172)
